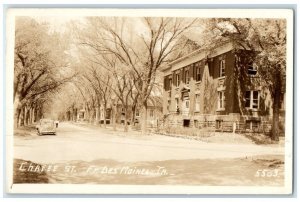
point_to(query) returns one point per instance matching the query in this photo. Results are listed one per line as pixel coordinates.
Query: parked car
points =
(46, 126)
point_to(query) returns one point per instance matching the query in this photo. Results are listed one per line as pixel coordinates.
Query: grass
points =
(209, 135)
(204, 134)
(25, 130)
(187, 131)
(259, 139)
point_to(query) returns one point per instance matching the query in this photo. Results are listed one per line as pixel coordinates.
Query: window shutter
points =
(193, 71)
(166, 83)
(174, 79)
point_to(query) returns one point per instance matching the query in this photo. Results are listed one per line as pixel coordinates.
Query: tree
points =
(265, 39)
(38, 65)
(113, 77)
(142, 51)
(208, 86)
(91, 97)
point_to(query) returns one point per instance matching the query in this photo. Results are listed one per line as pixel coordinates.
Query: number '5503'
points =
(266, 173)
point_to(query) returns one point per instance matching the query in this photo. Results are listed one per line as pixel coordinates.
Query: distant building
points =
(154, 113)
(218, 88)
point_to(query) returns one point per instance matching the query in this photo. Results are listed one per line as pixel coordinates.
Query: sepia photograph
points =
(149, 101)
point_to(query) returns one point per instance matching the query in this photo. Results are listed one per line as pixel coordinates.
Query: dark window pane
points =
(247, 103)
(255, 94)
(247, 94)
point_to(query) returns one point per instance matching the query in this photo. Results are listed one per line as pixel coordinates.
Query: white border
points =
(134, 189)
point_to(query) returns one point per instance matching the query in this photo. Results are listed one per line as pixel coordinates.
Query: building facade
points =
(133, 114)
(219, 88)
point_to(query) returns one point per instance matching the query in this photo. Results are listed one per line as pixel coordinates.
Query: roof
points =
(155, 101)
(205, 49)
(202, 49)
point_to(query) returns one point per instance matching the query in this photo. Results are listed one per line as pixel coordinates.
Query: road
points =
(100, 155)
(75, 142)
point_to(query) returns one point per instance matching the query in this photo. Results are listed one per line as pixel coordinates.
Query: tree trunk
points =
(275, 121)
(17, 117)
(114, 117)
(97, 116)
(276, 107)
(94, 115)
(104, 116)
(26, 115)
(275, 125)
(144, 119)
(89, 114)
(133, 115)
(17, 111)
(76, 114)
(100, 116)
(22, 118)
(125, 120)
(32, 115)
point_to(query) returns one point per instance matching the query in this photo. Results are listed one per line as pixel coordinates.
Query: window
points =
(151, 113)
(177, 104)
(187, 104)
(170, 83)
(221, 99)
(186, 123)
(248, 99)
(108, 111)
(197, 103)
(222, 67)
(219, 124)
(137, 112)
(196, 123)
(252, 99)
(102, 113)
(198, 74)
(255, 99)
(168, 106)
(186, 76)
(252, 68)
(177, 80)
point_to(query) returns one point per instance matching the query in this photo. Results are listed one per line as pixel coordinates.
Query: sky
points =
(58, 23)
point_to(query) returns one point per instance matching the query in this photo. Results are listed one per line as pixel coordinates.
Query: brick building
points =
(218, 88)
